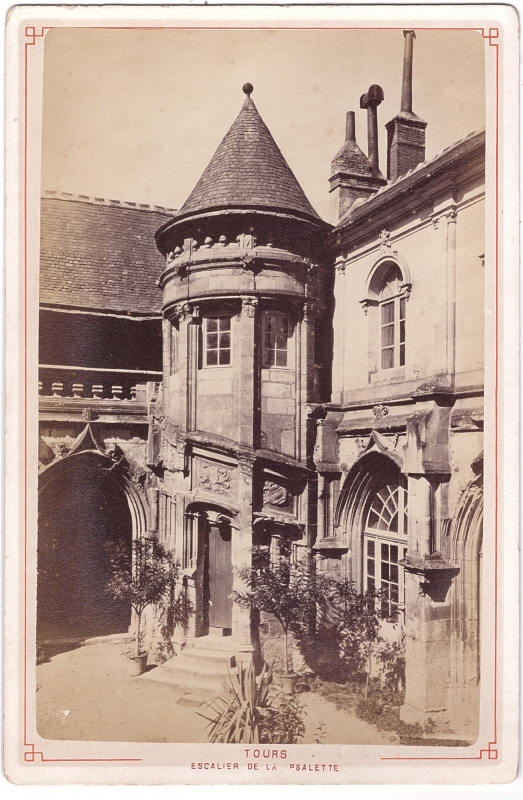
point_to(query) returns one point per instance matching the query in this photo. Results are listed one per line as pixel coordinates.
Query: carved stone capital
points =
(246, 463)
(249, 304)
(309, 310)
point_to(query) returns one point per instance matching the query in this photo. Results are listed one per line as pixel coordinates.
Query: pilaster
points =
(248, 384)
(242, 556)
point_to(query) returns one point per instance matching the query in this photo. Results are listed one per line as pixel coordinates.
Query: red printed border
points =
(491, 751)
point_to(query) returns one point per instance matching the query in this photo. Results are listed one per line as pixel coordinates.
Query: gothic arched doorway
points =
(83, 510)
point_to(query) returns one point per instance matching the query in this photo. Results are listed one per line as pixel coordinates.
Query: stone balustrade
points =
(75, 383)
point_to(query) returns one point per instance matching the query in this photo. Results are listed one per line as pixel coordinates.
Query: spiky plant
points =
(253, 711)
(238, 715)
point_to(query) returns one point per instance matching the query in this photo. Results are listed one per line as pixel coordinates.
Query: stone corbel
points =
(368, 303)
(416, 440)
(251, 262)
(436, 575)
(405, 290)
(175, 451)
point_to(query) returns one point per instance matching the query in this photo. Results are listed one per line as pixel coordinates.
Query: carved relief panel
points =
(215, 478)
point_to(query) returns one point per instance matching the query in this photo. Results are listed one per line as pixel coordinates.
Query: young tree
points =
(141, 577)
(289, 593)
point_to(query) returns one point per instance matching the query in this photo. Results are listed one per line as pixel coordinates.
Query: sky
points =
(136, 115)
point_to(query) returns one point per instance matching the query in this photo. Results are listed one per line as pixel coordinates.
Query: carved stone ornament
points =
(249, 306)
(184, 311)
(385, 245)
(251, 262)
(173, 456)
(138, 477)
(380, 411)
(246, 463)
(214, 479)
(405, 290)
(246, 241)
(309, 311)
(60, 449)
(368, 303)
(274, 494)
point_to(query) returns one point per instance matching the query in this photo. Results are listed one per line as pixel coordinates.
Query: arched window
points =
(392, 305)
(387, 291)
(385, 544)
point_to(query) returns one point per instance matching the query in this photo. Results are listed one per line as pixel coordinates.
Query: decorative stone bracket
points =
(436, 575)
(427, 447)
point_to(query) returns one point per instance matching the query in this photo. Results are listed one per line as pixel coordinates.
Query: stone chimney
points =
(351, 174)
(406, 131)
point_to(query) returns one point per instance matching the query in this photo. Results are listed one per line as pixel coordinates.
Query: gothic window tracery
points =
(384, 545)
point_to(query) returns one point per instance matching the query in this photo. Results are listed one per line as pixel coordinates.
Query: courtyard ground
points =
(87, 694)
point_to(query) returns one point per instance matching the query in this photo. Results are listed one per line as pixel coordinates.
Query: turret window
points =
(275, 340)
(217, 341)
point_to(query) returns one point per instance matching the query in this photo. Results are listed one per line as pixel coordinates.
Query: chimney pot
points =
(371, 101)
(350, 135)
(406, 88)
(406, 131)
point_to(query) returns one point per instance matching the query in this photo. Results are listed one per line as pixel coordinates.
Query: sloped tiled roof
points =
(248, 170)
(100, 254)
(362, 206)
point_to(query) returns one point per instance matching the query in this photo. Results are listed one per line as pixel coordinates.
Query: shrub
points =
(287, 592)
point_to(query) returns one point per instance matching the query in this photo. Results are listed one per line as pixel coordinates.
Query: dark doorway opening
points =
(81, 513)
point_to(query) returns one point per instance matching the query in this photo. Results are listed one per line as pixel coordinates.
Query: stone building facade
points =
(321, 394)
(100, 347)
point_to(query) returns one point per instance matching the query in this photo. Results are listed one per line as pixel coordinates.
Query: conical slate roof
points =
(248, 170)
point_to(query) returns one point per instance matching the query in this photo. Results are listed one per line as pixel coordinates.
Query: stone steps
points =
(200, 670)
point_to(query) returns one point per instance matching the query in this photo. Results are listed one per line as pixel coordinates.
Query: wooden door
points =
(220, 576)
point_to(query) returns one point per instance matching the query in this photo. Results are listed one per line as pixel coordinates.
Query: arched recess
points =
(466, 550)
(367, 476)
(85, 504)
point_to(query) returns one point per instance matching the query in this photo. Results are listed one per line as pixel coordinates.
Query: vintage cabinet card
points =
(262, 394)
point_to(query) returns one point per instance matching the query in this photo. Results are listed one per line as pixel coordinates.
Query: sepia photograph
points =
(265, 364)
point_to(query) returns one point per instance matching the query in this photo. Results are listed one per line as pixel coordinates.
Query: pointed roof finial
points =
(248, 89)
